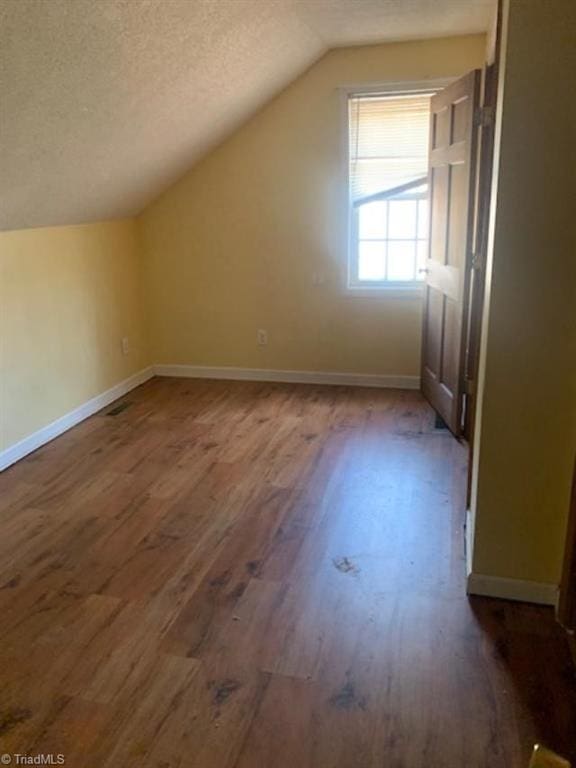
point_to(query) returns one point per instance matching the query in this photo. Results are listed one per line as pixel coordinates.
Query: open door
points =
(452, 182)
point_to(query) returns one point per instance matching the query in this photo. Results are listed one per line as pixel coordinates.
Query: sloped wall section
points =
(255, 235)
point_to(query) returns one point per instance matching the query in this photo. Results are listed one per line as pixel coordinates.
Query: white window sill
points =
(402, 291)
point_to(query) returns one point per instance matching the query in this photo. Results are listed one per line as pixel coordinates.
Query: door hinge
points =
(484, 117)
(469, 386)
(476, 261)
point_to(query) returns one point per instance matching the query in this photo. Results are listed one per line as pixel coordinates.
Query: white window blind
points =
(388, 140)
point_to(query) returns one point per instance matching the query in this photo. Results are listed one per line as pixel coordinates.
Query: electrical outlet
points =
(125, 345)
(262, 337)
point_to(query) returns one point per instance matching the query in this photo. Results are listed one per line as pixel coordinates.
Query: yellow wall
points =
(527, 404)
(67, 297)
(234, 245)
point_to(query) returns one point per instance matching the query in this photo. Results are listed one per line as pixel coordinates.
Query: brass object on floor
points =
(544, 758)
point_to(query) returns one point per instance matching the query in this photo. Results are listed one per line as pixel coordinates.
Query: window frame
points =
(355, 240)
(352, 286)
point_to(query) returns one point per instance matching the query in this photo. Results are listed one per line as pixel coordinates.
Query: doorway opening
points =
(419, 169)
(412, 201)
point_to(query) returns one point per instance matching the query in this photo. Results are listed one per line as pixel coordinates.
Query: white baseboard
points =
(512, 589)
(290, 377)
(500, 587)
(17, 451)
(50, 431)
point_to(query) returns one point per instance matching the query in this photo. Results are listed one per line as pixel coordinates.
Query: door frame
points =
(477, 265)
(474, 319)
(567, 601)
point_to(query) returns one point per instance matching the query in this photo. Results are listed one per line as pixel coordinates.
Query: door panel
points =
(452, 168)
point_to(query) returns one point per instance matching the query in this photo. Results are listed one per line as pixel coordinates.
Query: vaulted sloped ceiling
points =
(103, 103)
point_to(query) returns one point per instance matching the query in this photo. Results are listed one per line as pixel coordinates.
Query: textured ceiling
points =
(103, 103)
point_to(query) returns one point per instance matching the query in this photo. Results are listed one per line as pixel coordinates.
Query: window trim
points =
(350, 287)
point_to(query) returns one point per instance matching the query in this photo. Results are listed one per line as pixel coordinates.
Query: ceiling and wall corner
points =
(104, 104)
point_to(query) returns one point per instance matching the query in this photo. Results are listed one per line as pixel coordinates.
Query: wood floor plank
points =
(247, 575)
(224, 584)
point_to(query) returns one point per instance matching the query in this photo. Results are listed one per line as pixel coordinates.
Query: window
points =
(388, 168)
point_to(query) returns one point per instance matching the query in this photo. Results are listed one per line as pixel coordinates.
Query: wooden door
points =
(452, 180)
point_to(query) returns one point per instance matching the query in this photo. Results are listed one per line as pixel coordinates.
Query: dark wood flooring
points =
(244, 575)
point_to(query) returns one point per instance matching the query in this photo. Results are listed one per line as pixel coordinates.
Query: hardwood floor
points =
(246, 575)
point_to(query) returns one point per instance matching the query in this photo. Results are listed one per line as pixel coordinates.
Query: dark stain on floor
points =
(119, 408)
(253, 567)
(501, 649)
(347, 698)
(346, 565)
(411, 434)
(220, 581)
(10, 718)
(12, 583)
(223, 689)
